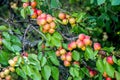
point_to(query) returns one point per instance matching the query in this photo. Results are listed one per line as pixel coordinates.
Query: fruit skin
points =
(63, 57)
(52, 25)
(83, 48)
(73, 44)
(68, 57)
(105, 74)
(15, 59)
(81, 37)
(46, 27)
(69, 47)
(33, 4)
(34, 16)
(61, 16)
(108, 78)
(51, 31)
(49, 19)
(42, 21)
(80, 44)
(6, 71)
(57, 53)
(66, 63)
(11, 62)
(24, 54)
(97, 46)
(8, 77)
(12, 69)
(25, 5)
(109, 59)
(76, 63)
(87, 42)
(62, 51)
(69, 53)
(72, 20)
(92, 73)
(39, 12)
(2, 75)
(65, 21)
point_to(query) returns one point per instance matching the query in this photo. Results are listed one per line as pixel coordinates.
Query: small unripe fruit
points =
(87, 42)
(68, 57)
(11, 62)
(66, 63)
(108, 78)
(64, 21)
(46, 27)
(97, 46)
(34, 16)
(25, 5)
(76, 63)
(81, 37)
(52, 25)
(58, 53)
(8, 77)
(12, 69)
(83, 48)
(63, 57)
(73, 44)
(39, 12)
(6, 71)
(87, 37)
(92, 73)
(62, 51)
(24, 54)
(69, 53)
(51, 31)
(15, 59)
(0, 41)
(105, 74)
(110, 60)
(72, 20)
(67, 16)
(2, 75)
(33, 4)
(49, 19)
(61, 15)
(44, 31)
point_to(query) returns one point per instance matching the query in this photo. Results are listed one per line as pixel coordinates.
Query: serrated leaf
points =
(16, 48)
(89, 54)
(7, 44)
(117, 74)
(46, 72)
(71, 71)
(75, 55)
(4, 57)
(57, 36)
(21, 73)
(114, 59)
(55, 73)
(6, 36)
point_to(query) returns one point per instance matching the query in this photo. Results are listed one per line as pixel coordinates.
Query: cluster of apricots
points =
(83, 41)
(46, 21)
(65, 18)
(5, 73)
(66, 57)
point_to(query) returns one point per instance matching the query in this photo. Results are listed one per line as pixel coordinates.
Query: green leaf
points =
(57, 36)
(76, 72)
(89, 54)
(100, 2)
(55, 4)
(43, 61)
(6, 36)
(3, 28)
(118, 62)
(55, 73)
(7, 44)
(71, 71)
(75, 55)
(4, 57)
(40, 56)
(109, 69)
(115, 2)
(15, 40)
(100, 65)
(56, 42)
(24, 0)
(53, 58)
(114, 59)
(36, 75)
(108, 49)
(28, 70)
(16, 48)
(85, 71)
(23, 13)
(117, 74)
(21, 73)
(46, 72)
